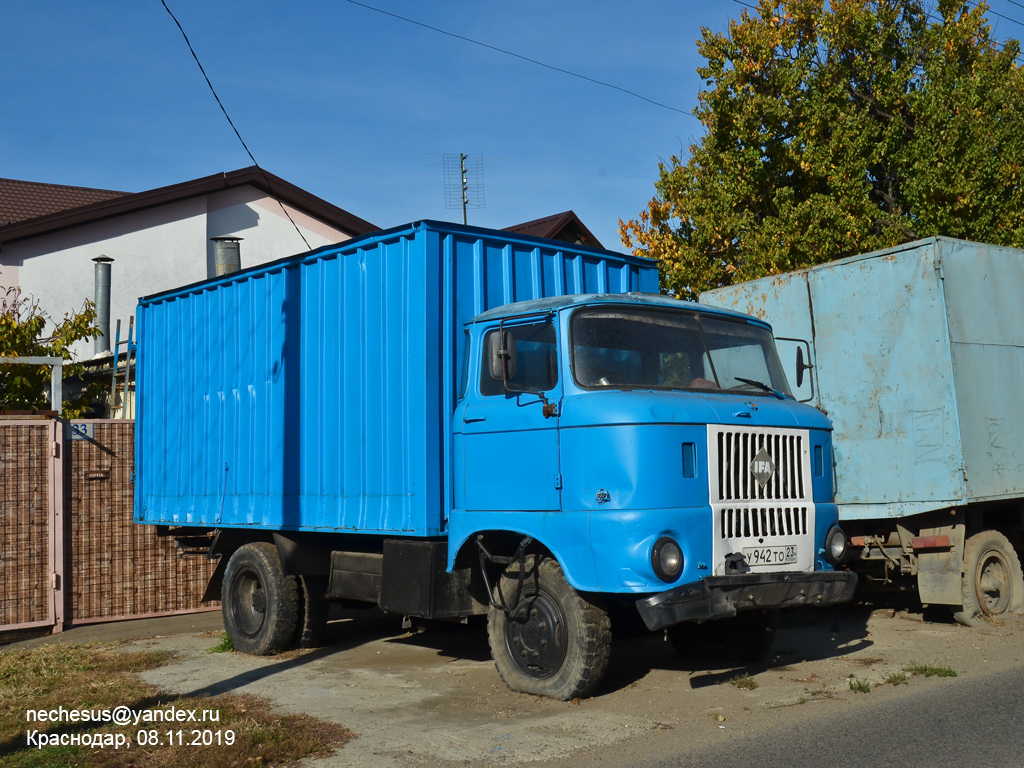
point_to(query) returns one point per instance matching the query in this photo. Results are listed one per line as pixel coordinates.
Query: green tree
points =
(22, 325)
(836, 131)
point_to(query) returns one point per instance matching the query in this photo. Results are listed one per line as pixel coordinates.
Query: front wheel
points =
(992, 582)
(260, 602)
(554, 641)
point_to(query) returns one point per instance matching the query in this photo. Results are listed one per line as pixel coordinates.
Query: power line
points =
(1000, 45)
(996, 43)
(245, 146)
(997, 13)
(524, 58)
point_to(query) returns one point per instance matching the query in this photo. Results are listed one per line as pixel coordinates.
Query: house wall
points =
(154, 250)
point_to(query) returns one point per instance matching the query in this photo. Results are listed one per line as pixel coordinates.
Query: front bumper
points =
(718, 597)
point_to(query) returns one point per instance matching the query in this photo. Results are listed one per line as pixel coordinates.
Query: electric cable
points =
(523, 58)
(245, 146)
(997, 13)
(996, 43)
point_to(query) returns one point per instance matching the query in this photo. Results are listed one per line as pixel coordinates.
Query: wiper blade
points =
(762, 386)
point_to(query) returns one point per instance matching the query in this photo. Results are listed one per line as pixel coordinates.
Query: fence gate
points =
(115, 568)
(69, 551)
(31, 524)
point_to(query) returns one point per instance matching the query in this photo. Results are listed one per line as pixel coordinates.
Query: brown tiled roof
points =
(22, 200)
(566, 227)
(118, 203)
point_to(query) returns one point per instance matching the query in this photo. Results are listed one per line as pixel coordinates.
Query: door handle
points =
(472, 421)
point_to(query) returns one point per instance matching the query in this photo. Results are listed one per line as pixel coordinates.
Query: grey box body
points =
(918, 356)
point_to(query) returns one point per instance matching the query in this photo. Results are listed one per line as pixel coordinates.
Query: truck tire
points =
(311, 624)
(992, 582)
(554, 642)
(259, 601)
(746, 637)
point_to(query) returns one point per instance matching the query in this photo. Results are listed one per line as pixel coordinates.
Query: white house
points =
(158, 239)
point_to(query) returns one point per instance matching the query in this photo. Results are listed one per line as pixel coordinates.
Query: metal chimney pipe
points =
(102, 298)
(227, 256)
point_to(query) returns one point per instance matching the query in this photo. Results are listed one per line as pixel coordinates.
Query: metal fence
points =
(69, 550)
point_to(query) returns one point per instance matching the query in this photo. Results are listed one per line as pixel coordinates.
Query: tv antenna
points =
(464, 182)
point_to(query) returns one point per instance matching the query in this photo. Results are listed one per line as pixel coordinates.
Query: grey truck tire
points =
(746, 637)
(992, 582)
(554, 642)
(259, 601)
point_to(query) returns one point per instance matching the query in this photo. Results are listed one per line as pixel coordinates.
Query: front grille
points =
(760, 488)
(734, 451)
(762, 522)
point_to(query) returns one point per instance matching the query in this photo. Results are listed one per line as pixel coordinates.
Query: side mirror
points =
(803, 363)
(801, 366)
(501, 355)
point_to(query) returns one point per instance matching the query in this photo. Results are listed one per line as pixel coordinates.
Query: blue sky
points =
(358, 107)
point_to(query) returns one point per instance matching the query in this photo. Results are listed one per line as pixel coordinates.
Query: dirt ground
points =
(433, 697)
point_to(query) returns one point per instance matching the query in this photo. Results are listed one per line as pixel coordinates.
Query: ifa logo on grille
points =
(762, 468)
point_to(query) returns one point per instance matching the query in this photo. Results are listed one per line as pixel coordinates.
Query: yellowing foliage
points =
(832, 131)
(22, 325)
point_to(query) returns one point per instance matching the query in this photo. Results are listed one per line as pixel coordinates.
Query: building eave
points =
(254, 176)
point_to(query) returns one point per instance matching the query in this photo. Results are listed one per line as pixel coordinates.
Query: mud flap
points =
(940, 572)
(216, 581)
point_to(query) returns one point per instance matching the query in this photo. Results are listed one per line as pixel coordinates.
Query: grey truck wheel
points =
(746, 637)
(554, 641)
(992, 582)
(260, 602)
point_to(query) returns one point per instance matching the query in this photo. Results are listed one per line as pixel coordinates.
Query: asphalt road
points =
(965, 723)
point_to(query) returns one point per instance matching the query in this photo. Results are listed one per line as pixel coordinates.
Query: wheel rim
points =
(535, 635)
(992, 583)
(249, 606)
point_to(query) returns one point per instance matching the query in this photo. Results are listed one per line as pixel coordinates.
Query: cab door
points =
(510, 439)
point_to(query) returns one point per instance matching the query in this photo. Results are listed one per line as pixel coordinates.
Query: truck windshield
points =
(634, 348)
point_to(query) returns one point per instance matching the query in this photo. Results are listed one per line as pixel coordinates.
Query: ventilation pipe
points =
(102, 298)
(227, 257)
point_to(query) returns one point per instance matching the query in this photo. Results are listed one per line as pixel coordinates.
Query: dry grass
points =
(744, 682)
(100, 676)
(930, 670)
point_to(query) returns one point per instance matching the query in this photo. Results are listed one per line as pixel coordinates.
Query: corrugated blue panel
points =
(314, 393)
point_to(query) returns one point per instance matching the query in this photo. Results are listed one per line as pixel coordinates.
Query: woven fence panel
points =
(25, 589)
(115, 567)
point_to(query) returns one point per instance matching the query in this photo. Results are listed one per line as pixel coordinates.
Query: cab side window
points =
(536, 363)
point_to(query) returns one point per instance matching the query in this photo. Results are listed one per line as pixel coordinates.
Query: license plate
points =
(770, 555)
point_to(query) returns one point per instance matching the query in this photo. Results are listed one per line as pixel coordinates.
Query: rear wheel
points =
(260, 602)
(746, 637)
(992, 582)
(554, 641)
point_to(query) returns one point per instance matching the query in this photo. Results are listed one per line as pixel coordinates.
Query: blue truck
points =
(445, 421)
(916, 354)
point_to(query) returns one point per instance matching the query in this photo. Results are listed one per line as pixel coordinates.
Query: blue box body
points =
(315, 393)
(919, 363)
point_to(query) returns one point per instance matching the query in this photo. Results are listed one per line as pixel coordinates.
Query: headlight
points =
(835, 545)
(667, 559)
